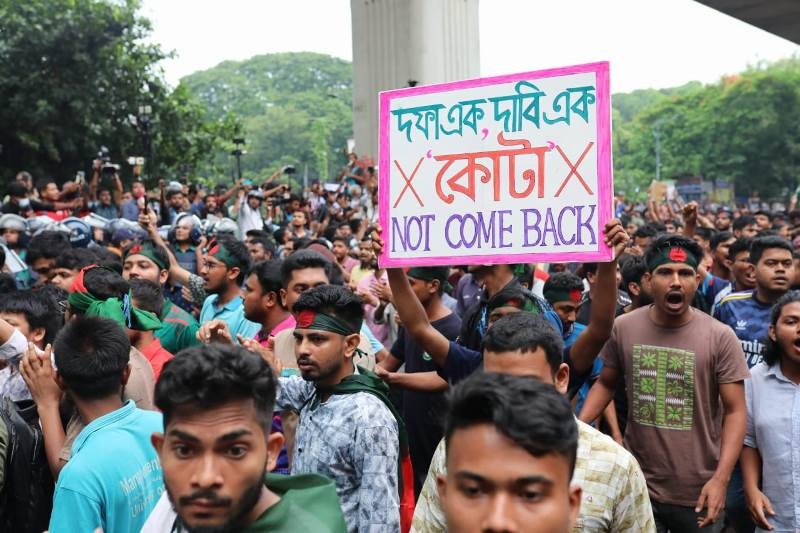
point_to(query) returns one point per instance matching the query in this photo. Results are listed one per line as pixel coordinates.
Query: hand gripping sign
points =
(510, 169)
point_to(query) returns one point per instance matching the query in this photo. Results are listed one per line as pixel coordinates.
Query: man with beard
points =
(348, 428)
(223, 270)
(148, 261)
(217, 402)
(368, 262)
(261, 295)
(684, 373)
(341, 251)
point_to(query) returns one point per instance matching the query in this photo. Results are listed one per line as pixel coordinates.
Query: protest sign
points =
(510, 169)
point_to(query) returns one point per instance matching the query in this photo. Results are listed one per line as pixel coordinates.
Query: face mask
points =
(25, 203)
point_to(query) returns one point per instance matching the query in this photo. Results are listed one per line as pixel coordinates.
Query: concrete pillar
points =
(395, 41)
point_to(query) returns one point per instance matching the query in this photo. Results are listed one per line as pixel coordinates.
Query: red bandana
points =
(575, 295)
(306, 318)
(77, 285)
(677, 254)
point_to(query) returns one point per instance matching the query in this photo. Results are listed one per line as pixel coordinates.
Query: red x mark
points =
(573, 169)
(408, 183)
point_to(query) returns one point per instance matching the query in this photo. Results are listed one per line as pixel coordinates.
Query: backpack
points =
(26, 498)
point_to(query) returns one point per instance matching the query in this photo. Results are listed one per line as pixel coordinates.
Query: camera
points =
(107, 168)
(289, 169)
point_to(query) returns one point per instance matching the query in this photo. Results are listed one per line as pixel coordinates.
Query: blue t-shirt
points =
(113, 479)
(232, 313)
(711, 287)
(749, 319)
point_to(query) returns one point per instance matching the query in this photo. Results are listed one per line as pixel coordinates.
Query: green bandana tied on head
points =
(119, 310)
(670, 253)
(147, 251)
(430, 274)
(219, 252)
(563, 295)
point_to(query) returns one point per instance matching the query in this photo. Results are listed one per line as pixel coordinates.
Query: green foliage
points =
(744, 129)
(71, 74)
(295, 108)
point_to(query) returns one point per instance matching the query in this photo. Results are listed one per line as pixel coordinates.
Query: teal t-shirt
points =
(113, 479)
(232, 313)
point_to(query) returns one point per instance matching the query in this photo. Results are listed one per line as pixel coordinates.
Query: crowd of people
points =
(181, 359)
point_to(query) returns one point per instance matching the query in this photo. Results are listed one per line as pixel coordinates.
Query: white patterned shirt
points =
(351, 439)
(614, 490)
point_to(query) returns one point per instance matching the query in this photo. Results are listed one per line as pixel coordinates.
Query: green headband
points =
(672, 254)
(120, 311)
(219, 252)
(430, 274)
(512, 300)
(309, 319)
(147, 251)
(563, 295)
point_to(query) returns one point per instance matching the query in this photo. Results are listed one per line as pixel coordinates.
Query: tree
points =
(71, 74)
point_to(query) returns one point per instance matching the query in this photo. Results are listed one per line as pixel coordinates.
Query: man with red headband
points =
(348, 429)
(684, 374)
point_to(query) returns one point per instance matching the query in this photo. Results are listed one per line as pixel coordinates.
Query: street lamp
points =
(238, 153)
(143, 122)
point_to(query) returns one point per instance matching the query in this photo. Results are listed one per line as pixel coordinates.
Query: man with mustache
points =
(217, 448)
(748, 315)
(684, 374)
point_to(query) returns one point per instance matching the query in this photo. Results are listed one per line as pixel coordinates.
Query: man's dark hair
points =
(632, 272)
(742, 221)
(588, 268)
(772, 349)
(742, 244)
(646, 231)
(148, 296)
(718, 238)
(240, 252)
(37, 308)
(268, 274)
(760, 244)
(525, 332)
(7, 282)
(106, 258)
(47, 245)
(91, 354)
(528, 411)
(103, 283)
(253, 233)
(74, 259)
(303, 259)
(265, 242)
(17, 189)
(332, 300)
(670, 241)
(704, 233)
(563, 281)
(341, 239)
(210, 375)
(42, 183)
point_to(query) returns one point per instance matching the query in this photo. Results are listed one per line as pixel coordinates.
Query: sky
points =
(649, 43)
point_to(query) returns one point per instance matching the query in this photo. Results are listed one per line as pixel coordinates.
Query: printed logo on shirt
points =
(753, 351)
(741, 324)
(426, 357)
(663, 387)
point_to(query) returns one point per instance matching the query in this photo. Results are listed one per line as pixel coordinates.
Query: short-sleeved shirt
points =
(614, 491)
(773, 427)
(672, 376)
(749, 320)
(157, 356)
(114, 478)
(178, 328)
(421, 410)
(232, 313)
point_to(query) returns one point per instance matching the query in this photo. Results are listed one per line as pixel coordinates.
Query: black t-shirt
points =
(423, 412)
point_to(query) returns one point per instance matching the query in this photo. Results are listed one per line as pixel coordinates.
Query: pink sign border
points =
(604, 172)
